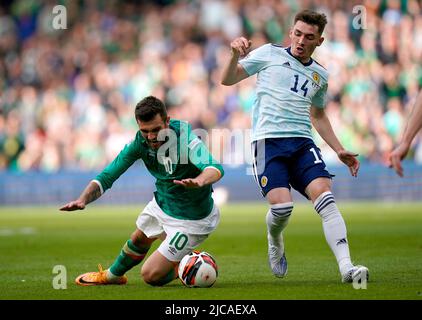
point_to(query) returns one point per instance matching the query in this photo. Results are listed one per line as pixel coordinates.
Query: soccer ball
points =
(198, 269)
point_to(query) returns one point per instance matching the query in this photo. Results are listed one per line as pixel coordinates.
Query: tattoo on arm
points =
(91, 193)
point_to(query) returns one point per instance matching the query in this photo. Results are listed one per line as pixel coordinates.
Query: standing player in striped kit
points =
(291, 90)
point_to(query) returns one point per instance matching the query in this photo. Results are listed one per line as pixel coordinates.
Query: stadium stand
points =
(67, 95)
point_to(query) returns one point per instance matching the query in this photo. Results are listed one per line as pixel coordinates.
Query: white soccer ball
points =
(198, 269)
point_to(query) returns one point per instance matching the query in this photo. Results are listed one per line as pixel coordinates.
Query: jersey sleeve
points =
(129, 154)
(200, 156)
(319, 99)
(256, 60)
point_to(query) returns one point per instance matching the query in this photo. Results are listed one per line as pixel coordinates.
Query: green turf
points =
(387, 238)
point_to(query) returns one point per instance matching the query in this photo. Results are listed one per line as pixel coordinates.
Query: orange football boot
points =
(98, 278)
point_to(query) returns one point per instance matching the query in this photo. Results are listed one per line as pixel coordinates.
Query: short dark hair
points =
(148, 108)
(313, 18)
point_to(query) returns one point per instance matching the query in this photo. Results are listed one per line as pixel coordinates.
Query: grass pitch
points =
(387, 238)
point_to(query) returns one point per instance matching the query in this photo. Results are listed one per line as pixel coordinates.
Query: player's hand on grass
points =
(189, 183)
(240, 46)
(350, 160)
(397, 156)
(73, 205)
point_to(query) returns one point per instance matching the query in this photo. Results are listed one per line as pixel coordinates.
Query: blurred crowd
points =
(67, 96)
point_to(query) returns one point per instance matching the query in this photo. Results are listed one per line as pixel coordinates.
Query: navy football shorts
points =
(287, 162)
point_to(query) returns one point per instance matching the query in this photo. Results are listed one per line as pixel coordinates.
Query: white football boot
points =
(277, 258)
(355, 274)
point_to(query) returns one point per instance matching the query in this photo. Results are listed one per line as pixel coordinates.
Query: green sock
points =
(129, 257)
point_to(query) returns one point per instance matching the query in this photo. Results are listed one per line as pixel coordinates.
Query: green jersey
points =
(183, 155)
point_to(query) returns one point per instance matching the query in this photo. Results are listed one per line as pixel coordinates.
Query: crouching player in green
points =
(182, 212)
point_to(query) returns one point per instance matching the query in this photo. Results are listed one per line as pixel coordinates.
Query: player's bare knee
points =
(279, 195)
(317, 187)
(148, 275)
(152, 276)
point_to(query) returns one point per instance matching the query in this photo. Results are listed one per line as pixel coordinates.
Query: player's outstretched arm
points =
(412, 128)
(91, 193)
(322, 124)
(233, 72)
(210, 175)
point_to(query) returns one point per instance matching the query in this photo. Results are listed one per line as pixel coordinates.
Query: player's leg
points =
(272, 177)
(319, 191)
(278, 215)
(161, 267)
(310, 177)
(148, 229)
(158, 270)
(132, 254)
(181, 237)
